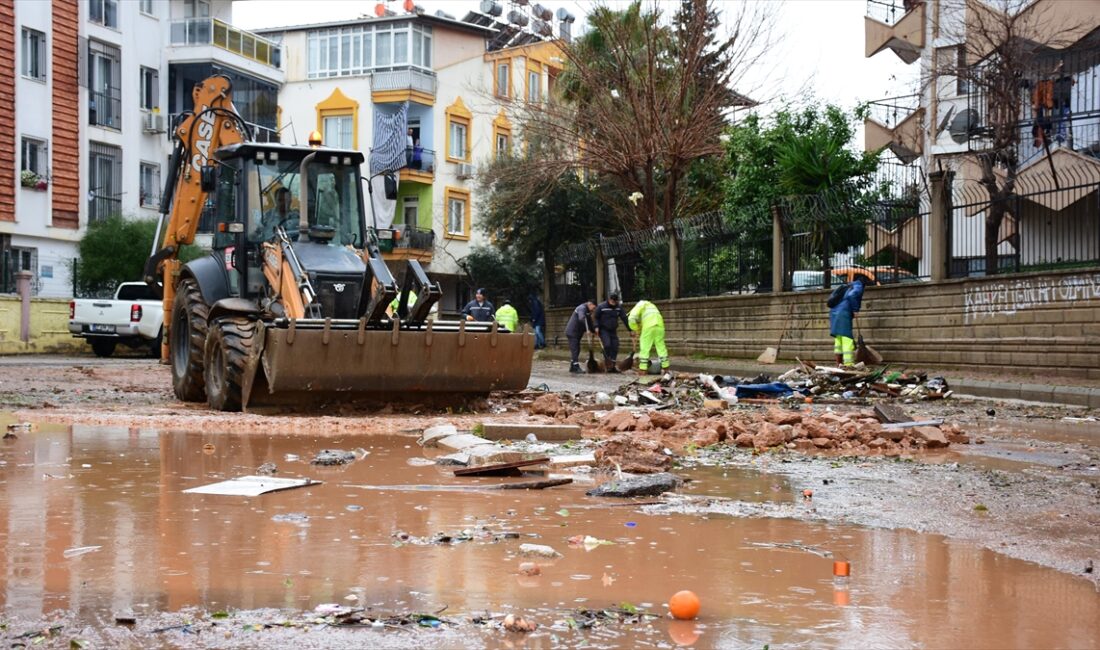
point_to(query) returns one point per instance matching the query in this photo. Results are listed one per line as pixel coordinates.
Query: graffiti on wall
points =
(1008, 297)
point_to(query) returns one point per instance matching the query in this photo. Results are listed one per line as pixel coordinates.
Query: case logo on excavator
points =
(205, 135)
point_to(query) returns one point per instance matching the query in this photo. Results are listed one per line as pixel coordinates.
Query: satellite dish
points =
(946, 118)
(964, 125)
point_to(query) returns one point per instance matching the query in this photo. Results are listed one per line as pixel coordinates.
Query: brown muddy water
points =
(94, 521)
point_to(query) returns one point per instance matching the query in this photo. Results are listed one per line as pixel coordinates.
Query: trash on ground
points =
(501, 469)
(538, 550)
(648, 485)
(80, 550)
(251, 486)
(335, 457)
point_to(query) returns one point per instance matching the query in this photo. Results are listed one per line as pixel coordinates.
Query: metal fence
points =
(716, 258)
(1051, 221)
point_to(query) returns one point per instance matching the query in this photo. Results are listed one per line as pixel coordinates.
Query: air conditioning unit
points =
(465, 171)
(152, 123)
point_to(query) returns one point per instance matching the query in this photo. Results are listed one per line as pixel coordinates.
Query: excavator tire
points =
(187, 340)
(227, 350)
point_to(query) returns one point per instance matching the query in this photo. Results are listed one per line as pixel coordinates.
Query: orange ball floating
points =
(684, 605)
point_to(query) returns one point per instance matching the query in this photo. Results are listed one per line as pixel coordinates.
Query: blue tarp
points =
(774, 389)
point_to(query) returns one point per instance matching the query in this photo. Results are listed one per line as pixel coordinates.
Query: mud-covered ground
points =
(1027, 488)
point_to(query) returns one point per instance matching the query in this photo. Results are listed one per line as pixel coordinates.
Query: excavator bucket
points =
(325, 358)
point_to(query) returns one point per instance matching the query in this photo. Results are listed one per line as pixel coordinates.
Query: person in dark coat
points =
(840, 323)
(479, 309)
(538, 321)
(580, 324)
(608, 315)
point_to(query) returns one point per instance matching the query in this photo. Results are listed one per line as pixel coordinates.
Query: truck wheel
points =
(186, 340)
(154, 345)
(103, 347)
(227, 350)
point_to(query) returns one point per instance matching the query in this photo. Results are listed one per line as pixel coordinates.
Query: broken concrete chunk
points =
(506, 431)
(663, 420)
(648, 485)
(563, 462)
(538, 550)
(932, 436)
(449, 460)
(768, 435)
(333, 457)
(461, 442)
(434, 434)
(618, 420)
(548, 404)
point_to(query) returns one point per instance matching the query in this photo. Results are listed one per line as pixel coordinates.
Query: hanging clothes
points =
(1042, 107)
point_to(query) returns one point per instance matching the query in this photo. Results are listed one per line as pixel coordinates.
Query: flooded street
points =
(94, 523)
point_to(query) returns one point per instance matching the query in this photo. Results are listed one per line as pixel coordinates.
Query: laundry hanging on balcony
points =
(387, 154)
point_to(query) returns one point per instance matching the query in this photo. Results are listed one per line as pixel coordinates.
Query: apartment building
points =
(88, 91)
(945, 124)
(458, 79)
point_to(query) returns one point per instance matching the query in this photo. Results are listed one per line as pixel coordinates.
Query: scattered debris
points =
(529, 569)
(267, 469)
(501, 469)
(479, 534)
(507, 431)
(513, 623)
(648, 485)
(538, 550)
(334, 457)
(78, 551)
(251, 486)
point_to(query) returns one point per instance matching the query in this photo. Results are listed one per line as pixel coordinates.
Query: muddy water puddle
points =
(95, 521)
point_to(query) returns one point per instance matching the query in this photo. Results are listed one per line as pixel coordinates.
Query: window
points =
(196, 9)
(103, 12)
(104, 93)
(534, 80)
(411, 211)
(457, 141)
(458, 213)
(150, 89)
(338, 132)
(503, 80)
(503, 148)
(104, 181)
(146, 7)
(149, 180)
(962, 82)
(356, 50)
(34, 54)
(458, 132)
(35, 157)
(952, 71)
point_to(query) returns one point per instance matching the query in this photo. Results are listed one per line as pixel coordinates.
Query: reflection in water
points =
(121, 489)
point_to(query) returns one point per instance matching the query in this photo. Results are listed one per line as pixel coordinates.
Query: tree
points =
(114, 250)
(642, 99)
(501, 275)
(1001, 43)
(531, 218)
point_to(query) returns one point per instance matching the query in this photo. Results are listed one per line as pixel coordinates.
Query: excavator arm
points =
(213, 123)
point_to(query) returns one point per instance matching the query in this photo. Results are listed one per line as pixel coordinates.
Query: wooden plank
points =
(555, 432)
(500, 469)
(535, 485)
(8, 164)
(65, 144)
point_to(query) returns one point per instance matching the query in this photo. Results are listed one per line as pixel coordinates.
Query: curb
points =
(1066, 395)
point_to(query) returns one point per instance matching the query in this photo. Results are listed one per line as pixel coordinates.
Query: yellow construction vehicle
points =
(292, 300)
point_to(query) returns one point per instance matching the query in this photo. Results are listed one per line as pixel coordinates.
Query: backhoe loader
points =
(292, 302)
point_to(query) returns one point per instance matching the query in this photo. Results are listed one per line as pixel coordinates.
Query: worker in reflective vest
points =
(645, 321)
(508, 316)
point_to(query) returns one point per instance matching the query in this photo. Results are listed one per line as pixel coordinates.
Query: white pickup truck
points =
(134, 317)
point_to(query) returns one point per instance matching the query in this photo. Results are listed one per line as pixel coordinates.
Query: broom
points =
(628, 363)
(593, 365)
(866, 354)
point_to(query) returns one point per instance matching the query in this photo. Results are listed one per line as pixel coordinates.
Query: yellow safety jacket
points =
(645, 314)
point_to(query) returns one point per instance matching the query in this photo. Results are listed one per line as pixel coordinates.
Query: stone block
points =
(553, 432)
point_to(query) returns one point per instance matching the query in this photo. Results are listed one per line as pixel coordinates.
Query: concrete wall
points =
(49, 328)
(1048, 323)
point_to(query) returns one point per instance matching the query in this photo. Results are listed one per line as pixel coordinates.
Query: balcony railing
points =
(406, 79)
(211, 31)
(101, 207)
(105, 109)
(419, 160)
(889, 12)
(414, 238)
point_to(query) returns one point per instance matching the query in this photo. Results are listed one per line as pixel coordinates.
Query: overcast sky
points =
(820, 43)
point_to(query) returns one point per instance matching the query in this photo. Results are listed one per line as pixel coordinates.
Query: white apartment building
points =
(87, 94)
(459, 79)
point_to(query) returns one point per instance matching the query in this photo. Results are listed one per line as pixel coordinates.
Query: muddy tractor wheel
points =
(186, 341)
(228, 346)
(103, 347)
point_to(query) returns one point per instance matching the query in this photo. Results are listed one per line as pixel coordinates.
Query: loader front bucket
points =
(444, 358)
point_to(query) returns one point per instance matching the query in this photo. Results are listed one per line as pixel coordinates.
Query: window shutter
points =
(82, 64)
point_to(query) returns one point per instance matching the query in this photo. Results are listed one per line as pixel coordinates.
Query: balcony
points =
(897, 124)
(407, 84)
(896, 25)
(419, 166)
(206, 39)
(105, 109)
(411, 243)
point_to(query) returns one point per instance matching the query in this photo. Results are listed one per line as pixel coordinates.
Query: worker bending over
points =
(608, 315)
(580, 324)
(841, 317)
(508, 316)
(646, 322)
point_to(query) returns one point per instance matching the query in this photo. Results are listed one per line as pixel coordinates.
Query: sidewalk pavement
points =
(1056, 390)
